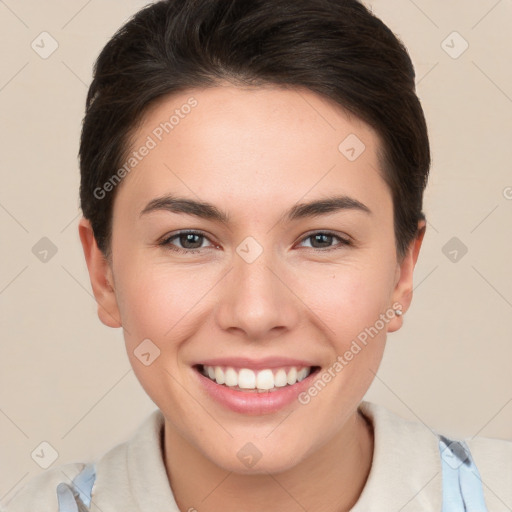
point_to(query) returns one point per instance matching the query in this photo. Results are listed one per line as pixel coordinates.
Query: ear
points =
(101, 276)
(402, 294)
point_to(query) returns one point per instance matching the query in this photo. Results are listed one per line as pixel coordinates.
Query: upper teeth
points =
(263, 379)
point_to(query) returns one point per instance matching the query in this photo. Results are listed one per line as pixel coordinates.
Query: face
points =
(263, 290)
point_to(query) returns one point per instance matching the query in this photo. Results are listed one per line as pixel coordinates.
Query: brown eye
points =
(191, 242)
(324, 240)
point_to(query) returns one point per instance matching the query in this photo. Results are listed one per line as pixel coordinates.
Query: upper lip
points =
(255, 364)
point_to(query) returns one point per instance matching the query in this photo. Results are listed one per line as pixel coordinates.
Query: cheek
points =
(161, 301)
(157, 305)
(347, 297)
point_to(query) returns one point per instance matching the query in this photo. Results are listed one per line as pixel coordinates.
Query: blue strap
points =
(462, 485)
(81, 488)
(66, 498)
(84, 482)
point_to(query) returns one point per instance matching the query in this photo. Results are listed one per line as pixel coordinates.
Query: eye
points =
(186, 238)
(325, 238)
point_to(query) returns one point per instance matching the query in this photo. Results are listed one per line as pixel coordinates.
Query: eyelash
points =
(166, 242)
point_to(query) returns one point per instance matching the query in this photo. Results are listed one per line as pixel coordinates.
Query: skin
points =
(255, 153)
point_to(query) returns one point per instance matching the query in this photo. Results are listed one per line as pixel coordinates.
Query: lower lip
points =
(254, 403)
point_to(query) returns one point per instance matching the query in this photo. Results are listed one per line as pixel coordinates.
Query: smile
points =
(245, 379)
(257, 391)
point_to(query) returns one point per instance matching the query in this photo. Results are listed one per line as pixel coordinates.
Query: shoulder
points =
(129, 468)
(411, 451)
(40, 492)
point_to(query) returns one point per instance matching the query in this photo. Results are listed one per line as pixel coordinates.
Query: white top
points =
(406, 472)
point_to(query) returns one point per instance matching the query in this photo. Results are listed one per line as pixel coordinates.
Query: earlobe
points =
(402, 294)
(100, 275)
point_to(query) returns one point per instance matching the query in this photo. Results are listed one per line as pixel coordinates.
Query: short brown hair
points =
(335, 48)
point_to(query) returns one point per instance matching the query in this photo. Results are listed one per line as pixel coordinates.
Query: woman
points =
(252, 186)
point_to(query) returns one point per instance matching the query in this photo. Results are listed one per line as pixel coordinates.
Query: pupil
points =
(189, 238)
(324, 237)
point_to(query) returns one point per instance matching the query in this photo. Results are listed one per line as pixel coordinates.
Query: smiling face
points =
(263, 284)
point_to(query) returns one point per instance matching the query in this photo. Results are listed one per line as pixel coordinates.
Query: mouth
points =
(263, 380)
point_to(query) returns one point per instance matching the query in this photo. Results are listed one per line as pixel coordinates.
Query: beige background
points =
(65, 378)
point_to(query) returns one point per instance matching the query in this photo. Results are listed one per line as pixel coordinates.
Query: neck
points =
(329, 480)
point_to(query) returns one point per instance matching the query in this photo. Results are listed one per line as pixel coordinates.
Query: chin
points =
(253, 458)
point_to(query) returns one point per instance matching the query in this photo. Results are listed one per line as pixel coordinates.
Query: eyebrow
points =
(209, 211)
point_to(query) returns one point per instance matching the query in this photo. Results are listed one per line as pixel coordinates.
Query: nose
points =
(257, 299)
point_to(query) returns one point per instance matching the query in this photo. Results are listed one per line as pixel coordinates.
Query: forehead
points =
(267, 144)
